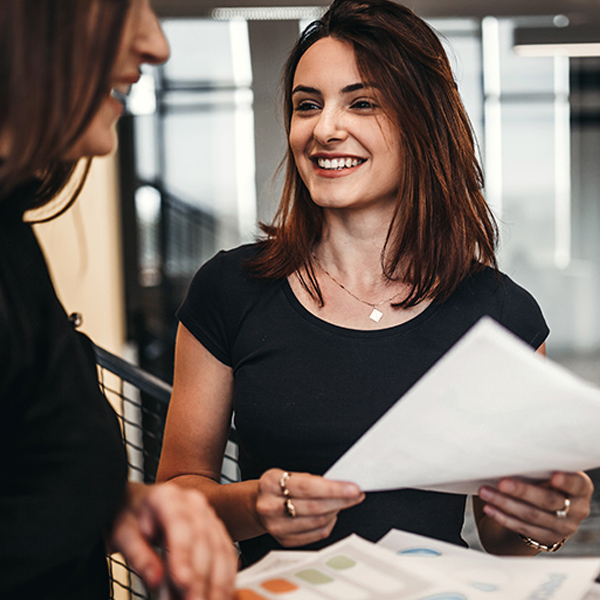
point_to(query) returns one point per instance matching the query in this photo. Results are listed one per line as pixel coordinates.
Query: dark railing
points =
(141, 401)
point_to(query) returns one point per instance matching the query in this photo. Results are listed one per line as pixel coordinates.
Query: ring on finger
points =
(561, 513)
(290, 509)
(283, 484)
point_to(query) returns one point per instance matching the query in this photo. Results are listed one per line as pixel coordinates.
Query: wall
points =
(83, 251)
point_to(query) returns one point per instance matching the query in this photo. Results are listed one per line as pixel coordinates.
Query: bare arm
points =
(196, 432)
(195, 437)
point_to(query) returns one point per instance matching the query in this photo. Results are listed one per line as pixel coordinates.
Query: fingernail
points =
(150, 576)
(352, 490)
(486, 493)
(507, 486)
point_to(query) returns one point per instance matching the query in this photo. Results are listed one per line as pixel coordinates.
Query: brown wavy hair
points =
(442, 229)
(56, 58)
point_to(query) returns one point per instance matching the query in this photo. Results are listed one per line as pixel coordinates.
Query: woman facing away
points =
(64, 494)
(381, 256)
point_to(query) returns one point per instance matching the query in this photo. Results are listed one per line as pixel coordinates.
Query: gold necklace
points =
(376, 315)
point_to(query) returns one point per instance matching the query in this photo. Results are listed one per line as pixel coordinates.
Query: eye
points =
(306, 106)
(364, 104)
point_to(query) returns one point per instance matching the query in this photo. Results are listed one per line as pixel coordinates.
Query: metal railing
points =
(141, 400)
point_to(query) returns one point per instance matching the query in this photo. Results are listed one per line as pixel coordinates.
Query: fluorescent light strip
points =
(268, 13)
(572, 50)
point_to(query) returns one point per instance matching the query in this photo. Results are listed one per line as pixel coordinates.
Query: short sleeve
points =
(522, 314)
(204, 309)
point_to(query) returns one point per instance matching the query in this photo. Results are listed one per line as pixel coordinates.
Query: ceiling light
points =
(269, 13)
(572, 40)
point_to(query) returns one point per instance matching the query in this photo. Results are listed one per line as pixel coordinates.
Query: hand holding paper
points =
(489, 408)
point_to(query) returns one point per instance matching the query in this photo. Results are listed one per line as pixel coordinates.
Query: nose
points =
(330, 126)
(150, 41)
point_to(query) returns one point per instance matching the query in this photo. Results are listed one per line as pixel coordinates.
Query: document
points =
(405, 566)
(491, 407)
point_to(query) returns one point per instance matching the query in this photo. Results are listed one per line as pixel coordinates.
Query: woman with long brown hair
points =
(64, 496)
(381, 256)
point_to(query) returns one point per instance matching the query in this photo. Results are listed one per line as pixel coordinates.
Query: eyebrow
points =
(353, 87)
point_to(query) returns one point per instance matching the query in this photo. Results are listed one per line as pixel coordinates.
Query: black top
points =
(305, 390)
(64, 465)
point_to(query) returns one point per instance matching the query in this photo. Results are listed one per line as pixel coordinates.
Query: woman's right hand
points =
(316, 500)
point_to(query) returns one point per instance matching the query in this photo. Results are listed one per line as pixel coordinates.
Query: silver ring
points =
(283, 484)
(564, 511)
(290, 509)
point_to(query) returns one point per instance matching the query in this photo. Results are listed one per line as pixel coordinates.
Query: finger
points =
(173, 511)
(541, 534)
(140, 555)
(525, 518)
(576, 487)
(527, 513)
(305, 485)
(542, 497)
(214, 559)
(573, 484)
(312, 530)
(224, 566)
(316, 507)
(274, 506)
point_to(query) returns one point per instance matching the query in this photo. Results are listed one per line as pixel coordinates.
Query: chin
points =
(94, 144)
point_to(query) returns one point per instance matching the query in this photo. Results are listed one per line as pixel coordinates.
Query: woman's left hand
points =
(546, 512)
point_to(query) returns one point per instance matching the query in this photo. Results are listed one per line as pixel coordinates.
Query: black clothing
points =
(64, 464)
(305, 390)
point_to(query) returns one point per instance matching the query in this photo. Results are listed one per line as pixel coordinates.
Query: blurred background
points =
(202, 139)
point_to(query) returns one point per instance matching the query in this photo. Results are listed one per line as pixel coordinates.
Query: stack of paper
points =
(405, 566)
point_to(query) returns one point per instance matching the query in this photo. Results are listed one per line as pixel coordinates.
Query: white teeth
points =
(338, 163)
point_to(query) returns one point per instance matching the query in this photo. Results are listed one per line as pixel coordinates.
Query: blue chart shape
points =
(447, 596)
(419, 552)
(484, 587)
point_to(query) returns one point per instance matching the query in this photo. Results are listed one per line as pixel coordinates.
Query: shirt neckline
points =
(412, 323)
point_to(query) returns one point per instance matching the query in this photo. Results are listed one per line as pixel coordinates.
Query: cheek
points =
(298, 138)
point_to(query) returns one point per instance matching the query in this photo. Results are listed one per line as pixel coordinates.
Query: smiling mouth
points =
(338, 164)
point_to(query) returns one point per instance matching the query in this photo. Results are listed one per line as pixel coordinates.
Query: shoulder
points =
(225, 271)
(493, 293)
(223, 287)
(221, 292)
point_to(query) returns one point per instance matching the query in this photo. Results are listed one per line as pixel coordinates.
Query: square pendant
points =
(376, 315)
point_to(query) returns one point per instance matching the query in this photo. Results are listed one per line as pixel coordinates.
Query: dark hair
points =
(442, 229)
(56, 58)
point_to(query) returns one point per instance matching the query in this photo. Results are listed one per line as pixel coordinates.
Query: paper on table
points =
(489, 408)
(355, 569)
(500, 577)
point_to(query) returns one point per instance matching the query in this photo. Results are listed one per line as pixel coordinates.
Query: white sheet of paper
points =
(355, 569)
(489, 408)
(499, 577)
(593, 593)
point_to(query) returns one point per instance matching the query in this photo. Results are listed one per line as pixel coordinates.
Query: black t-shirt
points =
(64, 466)
(305, 390)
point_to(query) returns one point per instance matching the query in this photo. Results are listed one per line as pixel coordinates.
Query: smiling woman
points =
(64, 495)
(380, 257)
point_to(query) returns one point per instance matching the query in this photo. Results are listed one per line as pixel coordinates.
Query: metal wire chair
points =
(141, 401)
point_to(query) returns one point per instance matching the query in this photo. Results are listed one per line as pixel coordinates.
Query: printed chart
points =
(409, 567)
